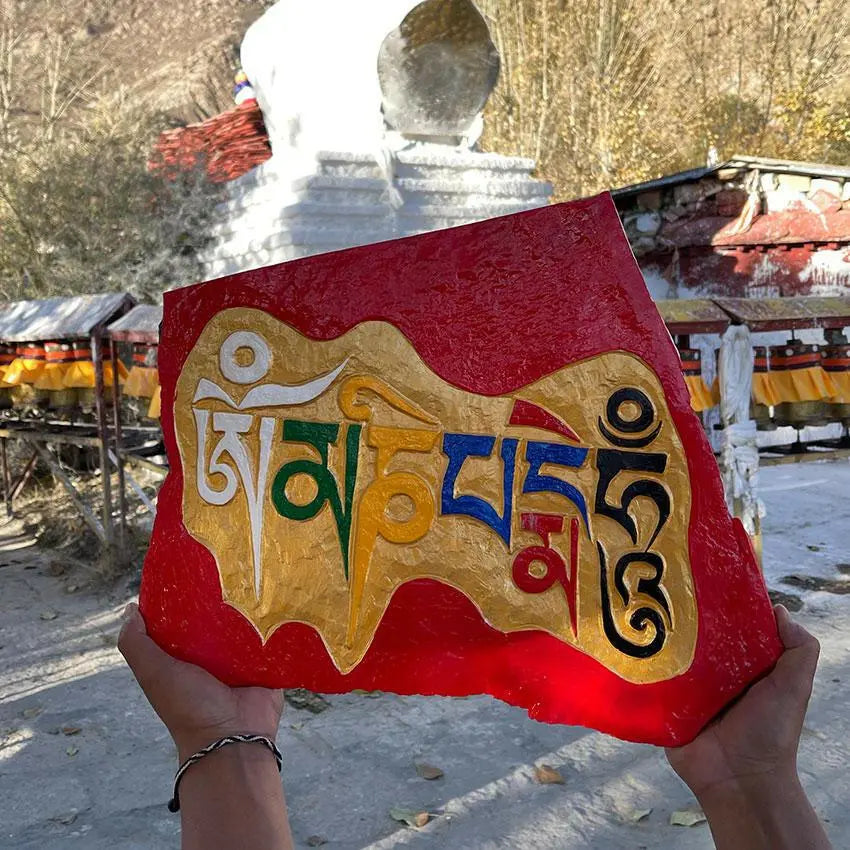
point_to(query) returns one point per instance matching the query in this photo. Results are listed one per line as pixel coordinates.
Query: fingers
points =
(147, 661)
(796, 667)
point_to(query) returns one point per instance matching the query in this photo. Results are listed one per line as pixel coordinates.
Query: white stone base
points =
(349, 200)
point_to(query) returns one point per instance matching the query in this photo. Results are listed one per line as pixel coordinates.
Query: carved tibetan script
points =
(323, 475)
(463, 462)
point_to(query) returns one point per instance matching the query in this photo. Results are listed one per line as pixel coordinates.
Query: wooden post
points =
(143, 497)
(119, 460)
(103, 448)
(7, 495)
(18, 485)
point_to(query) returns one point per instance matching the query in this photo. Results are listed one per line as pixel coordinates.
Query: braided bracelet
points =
(174, 803)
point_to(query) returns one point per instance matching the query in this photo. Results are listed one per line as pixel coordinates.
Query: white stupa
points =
(373, 111)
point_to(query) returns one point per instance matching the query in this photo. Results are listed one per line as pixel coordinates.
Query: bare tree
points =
(608, 92)
(79, 210)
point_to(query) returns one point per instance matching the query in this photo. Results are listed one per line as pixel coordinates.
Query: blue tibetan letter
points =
(556, 454)
(457, 448)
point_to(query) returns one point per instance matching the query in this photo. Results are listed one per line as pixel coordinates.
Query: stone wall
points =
(744, 231)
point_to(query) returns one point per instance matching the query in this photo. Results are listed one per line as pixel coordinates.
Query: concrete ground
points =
(85, 763)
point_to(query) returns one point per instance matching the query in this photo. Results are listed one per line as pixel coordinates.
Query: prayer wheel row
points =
(799, 385)
(142, 384)
(60, 376)
(794, 384)
(702, 397)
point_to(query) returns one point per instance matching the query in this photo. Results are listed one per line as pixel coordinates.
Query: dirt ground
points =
(85, 763)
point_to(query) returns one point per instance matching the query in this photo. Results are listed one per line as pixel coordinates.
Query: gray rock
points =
(831, 187)
(768, 182)
(795, 182)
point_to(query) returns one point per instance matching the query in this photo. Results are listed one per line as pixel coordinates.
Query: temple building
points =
(750, 227)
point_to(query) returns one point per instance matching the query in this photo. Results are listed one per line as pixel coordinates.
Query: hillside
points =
(600, 92)
(177, 58)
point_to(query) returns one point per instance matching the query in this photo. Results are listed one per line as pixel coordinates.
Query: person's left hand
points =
(195, 706)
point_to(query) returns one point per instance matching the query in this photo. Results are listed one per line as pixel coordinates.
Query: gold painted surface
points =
(397, 529)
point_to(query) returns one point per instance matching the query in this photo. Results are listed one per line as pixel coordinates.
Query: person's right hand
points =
(755, 740)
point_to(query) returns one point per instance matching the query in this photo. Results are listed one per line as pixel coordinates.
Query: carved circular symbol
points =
(229, 363)
(632, 400)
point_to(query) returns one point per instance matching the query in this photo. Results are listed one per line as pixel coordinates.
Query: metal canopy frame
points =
(777, 314)
(68, 318)
(107, 319)
(141, 324)
(685, 316)
(713, 315)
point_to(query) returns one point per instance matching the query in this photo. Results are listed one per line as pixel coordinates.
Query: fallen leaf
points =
(48, 615)
(316, 840)
(547, 775)
(428, 771)
(71, 730)
(29, 713)
(410, 817)
(691, 816)
(72, 751)
(812, 548)
(636, 815)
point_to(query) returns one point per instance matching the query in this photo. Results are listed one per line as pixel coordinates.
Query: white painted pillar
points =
(739, 459)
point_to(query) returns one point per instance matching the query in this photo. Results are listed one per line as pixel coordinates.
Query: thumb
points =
(147, 661)
(796, 666)
(792, 634)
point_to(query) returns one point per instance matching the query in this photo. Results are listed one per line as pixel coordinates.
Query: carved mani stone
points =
(437, 69)
(463, 462)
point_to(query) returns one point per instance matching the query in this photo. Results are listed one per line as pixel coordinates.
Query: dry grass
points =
(52, 518)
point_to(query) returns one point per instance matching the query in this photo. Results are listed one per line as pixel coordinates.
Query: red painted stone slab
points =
(497, 314)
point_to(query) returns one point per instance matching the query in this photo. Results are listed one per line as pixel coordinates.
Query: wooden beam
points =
(81, 506)
(47, 437)
(18, 486)
(102, 433)
(7, 490)
(145, 463)
(116, 455)
(804, 457)
(143, 497)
